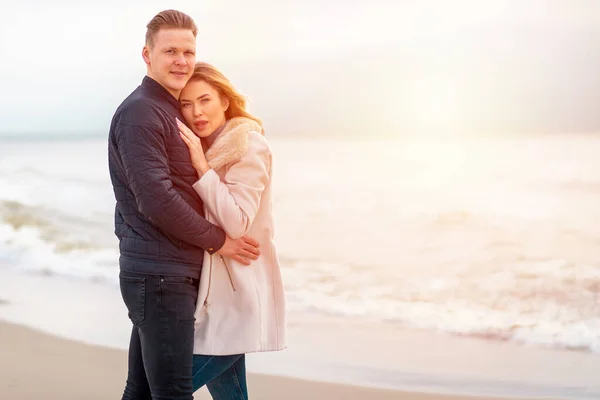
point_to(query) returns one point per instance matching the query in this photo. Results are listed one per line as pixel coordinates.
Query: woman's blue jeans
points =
(224, 376)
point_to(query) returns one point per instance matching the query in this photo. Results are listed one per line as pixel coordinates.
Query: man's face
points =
(171, 59)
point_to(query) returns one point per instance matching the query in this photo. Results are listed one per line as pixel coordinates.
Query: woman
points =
(240, 309)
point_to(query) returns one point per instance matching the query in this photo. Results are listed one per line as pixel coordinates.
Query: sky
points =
(319, 68)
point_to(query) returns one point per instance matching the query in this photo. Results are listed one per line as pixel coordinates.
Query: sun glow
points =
(435, 103)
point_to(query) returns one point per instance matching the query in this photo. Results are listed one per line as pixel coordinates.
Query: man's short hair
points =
(169, 19)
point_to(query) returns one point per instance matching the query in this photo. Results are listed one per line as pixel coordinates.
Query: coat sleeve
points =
(235, 200)
(143, 154)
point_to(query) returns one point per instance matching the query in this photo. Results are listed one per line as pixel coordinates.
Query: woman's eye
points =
(204, 101)
(185, 105)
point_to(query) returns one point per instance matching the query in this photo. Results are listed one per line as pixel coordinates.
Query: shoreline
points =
(104, 378)
(323, 350)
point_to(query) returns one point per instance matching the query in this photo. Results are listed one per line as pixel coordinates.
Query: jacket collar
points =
(159, 91)
(232, 142)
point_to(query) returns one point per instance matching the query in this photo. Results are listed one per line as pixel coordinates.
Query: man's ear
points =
(146, 55)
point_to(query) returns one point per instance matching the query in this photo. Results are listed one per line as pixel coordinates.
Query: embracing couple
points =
(191, 171)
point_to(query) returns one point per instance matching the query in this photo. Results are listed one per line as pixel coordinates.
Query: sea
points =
(493, 237)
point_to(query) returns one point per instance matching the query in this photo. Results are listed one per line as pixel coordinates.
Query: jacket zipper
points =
(228, 274)
(205, 307)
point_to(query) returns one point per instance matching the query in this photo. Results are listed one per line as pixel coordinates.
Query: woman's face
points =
(202, 107)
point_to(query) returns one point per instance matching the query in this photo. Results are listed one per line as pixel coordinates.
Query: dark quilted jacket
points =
(158, 216)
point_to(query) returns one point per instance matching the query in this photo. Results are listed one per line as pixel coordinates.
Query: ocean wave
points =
(50, 224)
(454, 218)
(581, 186)
(544, 302)
(18, 215)
(51, 242)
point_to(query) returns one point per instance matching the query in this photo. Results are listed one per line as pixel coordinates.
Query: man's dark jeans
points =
(161, 309)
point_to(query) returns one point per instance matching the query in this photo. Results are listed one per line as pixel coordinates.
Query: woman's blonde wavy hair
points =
(237, 102)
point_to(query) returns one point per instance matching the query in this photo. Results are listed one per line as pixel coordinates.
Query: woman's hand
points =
(195, 147)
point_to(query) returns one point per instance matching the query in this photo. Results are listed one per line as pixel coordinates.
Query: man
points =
(158, 217)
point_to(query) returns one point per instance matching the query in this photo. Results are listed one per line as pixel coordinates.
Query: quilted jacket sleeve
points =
(144, 157)
(235, 200)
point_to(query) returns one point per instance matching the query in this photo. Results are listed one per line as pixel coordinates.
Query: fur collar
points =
(232, 142)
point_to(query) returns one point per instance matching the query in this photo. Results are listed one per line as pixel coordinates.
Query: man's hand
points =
(243, 250)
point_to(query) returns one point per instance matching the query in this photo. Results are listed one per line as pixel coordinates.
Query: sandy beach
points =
(36, 365)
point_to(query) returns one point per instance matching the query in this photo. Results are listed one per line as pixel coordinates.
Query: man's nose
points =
(180, 60)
